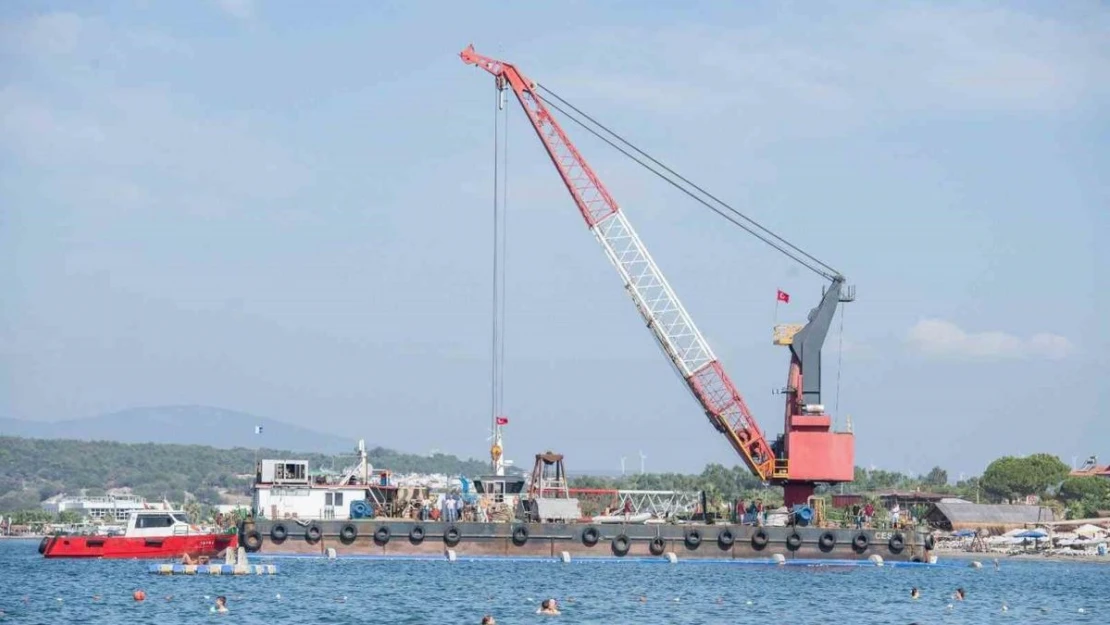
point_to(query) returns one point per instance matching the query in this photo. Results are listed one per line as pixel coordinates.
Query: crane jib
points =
(657, 302)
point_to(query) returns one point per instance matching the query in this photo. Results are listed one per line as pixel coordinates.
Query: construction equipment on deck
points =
(809, 451)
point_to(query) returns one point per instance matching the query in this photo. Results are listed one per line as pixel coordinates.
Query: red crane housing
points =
(809, 452)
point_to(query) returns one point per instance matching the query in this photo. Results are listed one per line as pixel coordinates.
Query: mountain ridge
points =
(182, 425)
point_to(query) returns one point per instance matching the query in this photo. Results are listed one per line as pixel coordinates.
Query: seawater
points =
(316, 590)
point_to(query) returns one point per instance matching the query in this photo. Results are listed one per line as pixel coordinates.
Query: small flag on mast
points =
(258, 429)
(502, 420)
(784, 297)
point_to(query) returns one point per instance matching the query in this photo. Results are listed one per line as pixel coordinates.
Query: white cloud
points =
(939, 338)
(239, 9)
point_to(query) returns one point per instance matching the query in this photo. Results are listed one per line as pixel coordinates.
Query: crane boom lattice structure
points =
(656, 301)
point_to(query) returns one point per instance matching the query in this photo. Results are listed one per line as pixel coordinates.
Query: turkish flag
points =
(783, 296)
(502, 420)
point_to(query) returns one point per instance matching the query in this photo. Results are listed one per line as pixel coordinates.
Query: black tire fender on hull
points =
(520, 535)
(692, 538)
(590, 536)
(725, 538)
(896, 543)
(278, 532)
(252, 541)
(452, 536)
(348, 534)
(382, 534)
(827, 542)
(312, 534)
(621, 544)
(861, 542)
(760, 539)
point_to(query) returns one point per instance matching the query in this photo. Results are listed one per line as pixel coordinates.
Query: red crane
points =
(808, 452)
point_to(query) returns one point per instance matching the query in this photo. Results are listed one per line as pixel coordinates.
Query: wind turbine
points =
(622, 464)
(642, 458)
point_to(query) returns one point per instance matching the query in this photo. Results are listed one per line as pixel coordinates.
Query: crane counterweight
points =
(809, 451)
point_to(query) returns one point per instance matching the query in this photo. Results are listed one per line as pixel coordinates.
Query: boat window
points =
(182, 518)
(147, 521)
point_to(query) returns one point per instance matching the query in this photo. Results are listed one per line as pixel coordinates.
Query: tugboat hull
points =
(136, 547)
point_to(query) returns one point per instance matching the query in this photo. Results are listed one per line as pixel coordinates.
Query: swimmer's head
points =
(221, 600)
(488, 620)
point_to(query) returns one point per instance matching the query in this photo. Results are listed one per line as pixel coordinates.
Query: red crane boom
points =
(657, 303)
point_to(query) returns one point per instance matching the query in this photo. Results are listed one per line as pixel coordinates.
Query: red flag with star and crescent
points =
(783, 297)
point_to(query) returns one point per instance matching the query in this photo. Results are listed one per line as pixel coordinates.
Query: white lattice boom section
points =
(662, 311)
(662, 504)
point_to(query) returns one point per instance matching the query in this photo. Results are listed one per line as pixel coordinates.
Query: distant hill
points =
(182, 425)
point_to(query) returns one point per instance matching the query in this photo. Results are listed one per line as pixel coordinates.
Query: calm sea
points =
(306, 591)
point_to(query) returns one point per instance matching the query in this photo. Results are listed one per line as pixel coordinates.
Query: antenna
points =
(642, 458)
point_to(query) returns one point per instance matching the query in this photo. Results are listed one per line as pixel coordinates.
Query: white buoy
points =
(671, 557)
(975, 564)
(451, 557)
(778, 559)
(241, 556)
(564, 556)
(330, 553)
(876, 559)
(932, 559)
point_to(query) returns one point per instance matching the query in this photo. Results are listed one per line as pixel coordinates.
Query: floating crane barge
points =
(808, 453)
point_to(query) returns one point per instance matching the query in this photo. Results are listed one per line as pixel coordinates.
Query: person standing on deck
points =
(627, 509)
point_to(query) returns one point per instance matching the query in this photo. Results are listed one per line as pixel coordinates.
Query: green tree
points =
(937, 477)
(1077, 488)
(1012, 477)
(69, 517)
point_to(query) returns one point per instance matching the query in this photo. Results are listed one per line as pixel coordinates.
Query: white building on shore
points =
(110, 508)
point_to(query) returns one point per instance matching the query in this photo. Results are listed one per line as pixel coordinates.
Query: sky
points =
(287, 211)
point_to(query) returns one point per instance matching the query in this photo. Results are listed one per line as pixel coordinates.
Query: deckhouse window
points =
(148, 521)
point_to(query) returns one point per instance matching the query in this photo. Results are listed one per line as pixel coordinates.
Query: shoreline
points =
(987, 558)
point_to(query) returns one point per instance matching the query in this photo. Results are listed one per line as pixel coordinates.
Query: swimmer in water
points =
(489, 620)
(915, 593)
(960, 594)
(221, 604)
(548, 607)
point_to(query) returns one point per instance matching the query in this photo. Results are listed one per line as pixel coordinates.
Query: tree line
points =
(32, 470)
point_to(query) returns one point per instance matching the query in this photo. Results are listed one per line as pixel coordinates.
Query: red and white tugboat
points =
(156, 534)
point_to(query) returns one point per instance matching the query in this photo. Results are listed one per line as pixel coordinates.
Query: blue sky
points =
(286, 211)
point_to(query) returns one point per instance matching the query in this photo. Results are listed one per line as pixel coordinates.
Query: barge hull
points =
(401, 538)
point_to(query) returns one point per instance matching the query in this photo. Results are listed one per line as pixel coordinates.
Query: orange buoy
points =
(138, 595)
